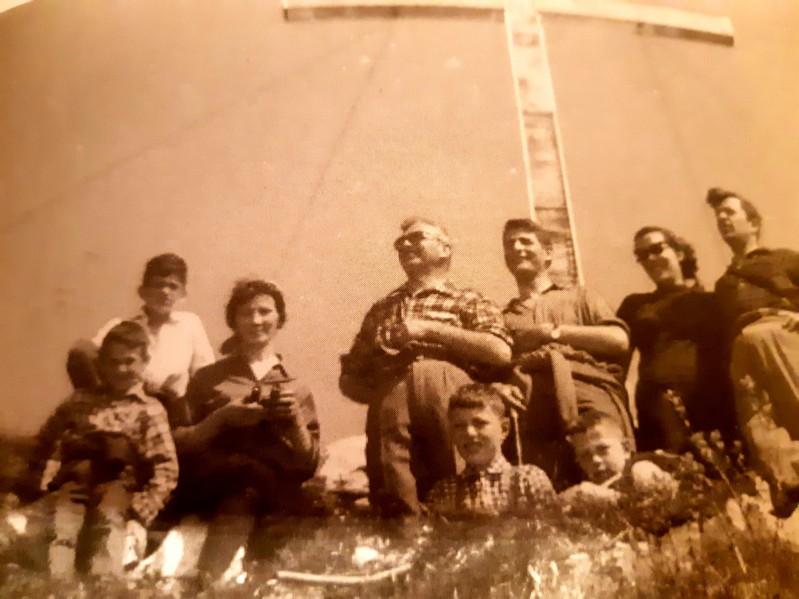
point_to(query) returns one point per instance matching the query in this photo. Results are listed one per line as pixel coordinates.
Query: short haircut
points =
(688, 265)
(128, 333)
(165, 265)
(544, 235)
(415, 220)
(245, 290)
(478, 396)
(716, 195)
(591, 418)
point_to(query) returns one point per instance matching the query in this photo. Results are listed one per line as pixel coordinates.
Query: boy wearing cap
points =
(489, 485)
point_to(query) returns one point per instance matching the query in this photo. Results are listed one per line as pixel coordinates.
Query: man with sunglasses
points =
(682, 386)
(570, 350)
(415, 348)
(759, 306)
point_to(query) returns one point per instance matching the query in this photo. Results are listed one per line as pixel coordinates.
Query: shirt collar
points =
(498, 465)
(141, 316)
(518, 301)
(443, 287)
(136, 392)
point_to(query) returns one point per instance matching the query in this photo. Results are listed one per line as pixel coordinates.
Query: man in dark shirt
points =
(682, 386)
(759, 304)
(415, 348)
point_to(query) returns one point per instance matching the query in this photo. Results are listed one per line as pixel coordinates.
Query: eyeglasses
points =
(413, 239)
(656, 249)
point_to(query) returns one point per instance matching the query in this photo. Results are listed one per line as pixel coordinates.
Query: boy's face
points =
(478, 434)
(121, 367)
(602, 451)
(161, 293)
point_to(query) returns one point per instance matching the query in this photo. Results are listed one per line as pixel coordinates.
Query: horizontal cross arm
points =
(682, 22)
(662, 19)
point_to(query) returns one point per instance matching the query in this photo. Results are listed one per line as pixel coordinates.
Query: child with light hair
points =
(489, 485)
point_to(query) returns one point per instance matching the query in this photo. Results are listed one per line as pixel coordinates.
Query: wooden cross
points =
(547, 184)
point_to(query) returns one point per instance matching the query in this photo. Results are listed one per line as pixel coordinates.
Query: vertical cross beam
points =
(547, 185)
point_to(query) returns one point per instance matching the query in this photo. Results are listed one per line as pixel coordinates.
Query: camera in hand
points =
(257, 395)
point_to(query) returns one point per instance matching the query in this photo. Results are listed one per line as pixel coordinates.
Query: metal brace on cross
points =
(547, 185)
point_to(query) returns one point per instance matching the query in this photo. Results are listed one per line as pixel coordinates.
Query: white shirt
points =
(180, 346)
(259, 368)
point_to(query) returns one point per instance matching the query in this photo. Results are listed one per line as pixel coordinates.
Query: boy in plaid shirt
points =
(489, 485)
(107, 460)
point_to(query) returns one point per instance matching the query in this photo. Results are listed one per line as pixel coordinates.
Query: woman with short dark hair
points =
(251, 435)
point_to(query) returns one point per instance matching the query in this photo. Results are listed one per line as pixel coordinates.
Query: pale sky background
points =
(252, 146)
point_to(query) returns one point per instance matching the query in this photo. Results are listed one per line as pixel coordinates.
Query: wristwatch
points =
(555, 333)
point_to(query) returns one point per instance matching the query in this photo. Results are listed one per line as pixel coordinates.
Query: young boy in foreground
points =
(107, 460)
(489, 485)
(653, 491)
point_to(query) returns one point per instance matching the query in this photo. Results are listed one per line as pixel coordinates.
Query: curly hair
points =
(247, 289)
(688, 265)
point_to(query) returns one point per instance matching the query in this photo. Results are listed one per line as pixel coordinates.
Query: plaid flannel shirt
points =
(372, 354)
(496, 489)
(139, 418)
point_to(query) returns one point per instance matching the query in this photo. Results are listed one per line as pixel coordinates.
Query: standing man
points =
(570, 349)
(415, 348)
(759, 301)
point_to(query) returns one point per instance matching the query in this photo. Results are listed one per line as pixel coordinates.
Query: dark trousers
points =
(408, 446)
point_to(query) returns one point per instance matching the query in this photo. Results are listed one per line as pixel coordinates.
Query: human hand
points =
(284, 408)
(648, 477)
(529, 336)
(135, 543)
(590, 493)
(74, 492)
(791, 322)
(511, 395)
(167, 389)
(401, 335)
(236, 415)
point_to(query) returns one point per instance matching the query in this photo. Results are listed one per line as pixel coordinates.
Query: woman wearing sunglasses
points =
(682, 387)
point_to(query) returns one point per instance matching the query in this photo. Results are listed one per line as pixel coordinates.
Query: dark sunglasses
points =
(656, 249)
(412, 239)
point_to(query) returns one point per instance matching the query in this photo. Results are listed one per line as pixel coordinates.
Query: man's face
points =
(732, 222)
(256, 322)
(421, 249)
(160, 294)
(660, 261)
(478, 434)
(525, 255)
(121, 367)
(602, 451)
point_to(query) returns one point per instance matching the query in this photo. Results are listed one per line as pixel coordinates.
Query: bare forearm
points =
(602, 341)
(606, 341)
(474, 346)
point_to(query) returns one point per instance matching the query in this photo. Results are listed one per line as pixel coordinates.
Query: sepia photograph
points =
(399, 298)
